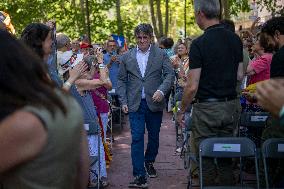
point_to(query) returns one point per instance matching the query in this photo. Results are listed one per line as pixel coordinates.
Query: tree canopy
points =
(116, 16)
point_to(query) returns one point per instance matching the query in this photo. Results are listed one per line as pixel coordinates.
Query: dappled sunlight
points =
(123, 146)
(166, 126)
(117, 138)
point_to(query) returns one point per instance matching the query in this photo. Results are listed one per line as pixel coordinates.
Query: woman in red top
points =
(259, 68)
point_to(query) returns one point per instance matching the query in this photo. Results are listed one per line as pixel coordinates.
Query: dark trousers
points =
(275, 166)
(214, 119)
(153, 122)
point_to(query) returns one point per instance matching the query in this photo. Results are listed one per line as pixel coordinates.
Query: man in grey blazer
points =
(145, 76)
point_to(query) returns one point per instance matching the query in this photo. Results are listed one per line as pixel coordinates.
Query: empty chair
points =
(274, 149)
(252, 125)
(226, 147)
(254, 119)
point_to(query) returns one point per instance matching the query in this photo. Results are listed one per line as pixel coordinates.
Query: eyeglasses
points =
(143, 37)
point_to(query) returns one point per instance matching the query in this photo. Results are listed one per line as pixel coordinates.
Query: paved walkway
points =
(171, 173)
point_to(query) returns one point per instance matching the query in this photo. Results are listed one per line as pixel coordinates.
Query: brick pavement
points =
(171, 174)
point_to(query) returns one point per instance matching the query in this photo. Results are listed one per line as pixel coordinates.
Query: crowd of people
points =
(222, 63)
(54, 89)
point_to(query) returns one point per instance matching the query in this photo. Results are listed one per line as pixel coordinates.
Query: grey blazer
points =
(159, 75)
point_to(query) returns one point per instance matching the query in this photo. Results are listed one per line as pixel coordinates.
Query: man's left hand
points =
(158, 96)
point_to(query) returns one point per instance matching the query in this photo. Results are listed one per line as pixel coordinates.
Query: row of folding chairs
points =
(239, 147)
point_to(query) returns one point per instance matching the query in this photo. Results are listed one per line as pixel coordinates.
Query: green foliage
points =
(71, 19)
(69, 15)
(276, 7)
(134, 13)
(237, 6)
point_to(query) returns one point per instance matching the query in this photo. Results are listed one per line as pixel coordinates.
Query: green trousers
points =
(214, 119)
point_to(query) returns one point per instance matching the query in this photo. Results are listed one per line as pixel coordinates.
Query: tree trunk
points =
(225, 9)
(88, 22)
(119, 20)
(73, 3)
(167, 18)
(153, 18)
(185, 18)
(160, 20)
(82, 6)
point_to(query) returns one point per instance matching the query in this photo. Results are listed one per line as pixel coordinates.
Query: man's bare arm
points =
(190, 88)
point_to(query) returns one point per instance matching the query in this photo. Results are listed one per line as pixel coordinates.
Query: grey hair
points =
(90, 60)
(62, 40)
(211, 8)
(144, 28)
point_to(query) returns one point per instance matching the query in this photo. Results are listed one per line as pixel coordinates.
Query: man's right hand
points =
(125, 109)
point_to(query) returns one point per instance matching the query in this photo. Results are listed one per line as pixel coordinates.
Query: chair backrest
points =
(254, 119)
(273, 148)
(227, 147)
(91, 126)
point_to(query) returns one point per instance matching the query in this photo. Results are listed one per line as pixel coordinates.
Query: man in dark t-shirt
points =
(267, 97)
(275, 29)
(215, 66)
(218, 52)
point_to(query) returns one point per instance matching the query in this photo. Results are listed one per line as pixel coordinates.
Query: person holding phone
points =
(38, 37)
(111, 60)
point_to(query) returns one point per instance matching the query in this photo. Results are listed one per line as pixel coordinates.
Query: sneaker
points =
(151, 171)
(178, 150)
(139, 182)
(104, 183)
(94, 185)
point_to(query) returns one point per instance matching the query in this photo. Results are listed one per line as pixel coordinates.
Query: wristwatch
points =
(179, 110)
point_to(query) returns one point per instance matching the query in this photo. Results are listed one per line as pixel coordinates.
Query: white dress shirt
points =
(142, 59)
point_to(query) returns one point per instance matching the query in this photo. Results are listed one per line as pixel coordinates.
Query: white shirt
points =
(142, 59)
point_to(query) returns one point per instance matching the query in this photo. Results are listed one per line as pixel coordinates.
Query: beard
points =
(277, 46)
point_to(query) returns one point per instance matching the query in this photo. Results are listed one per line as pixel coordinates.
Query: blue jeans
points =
(153, 122)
